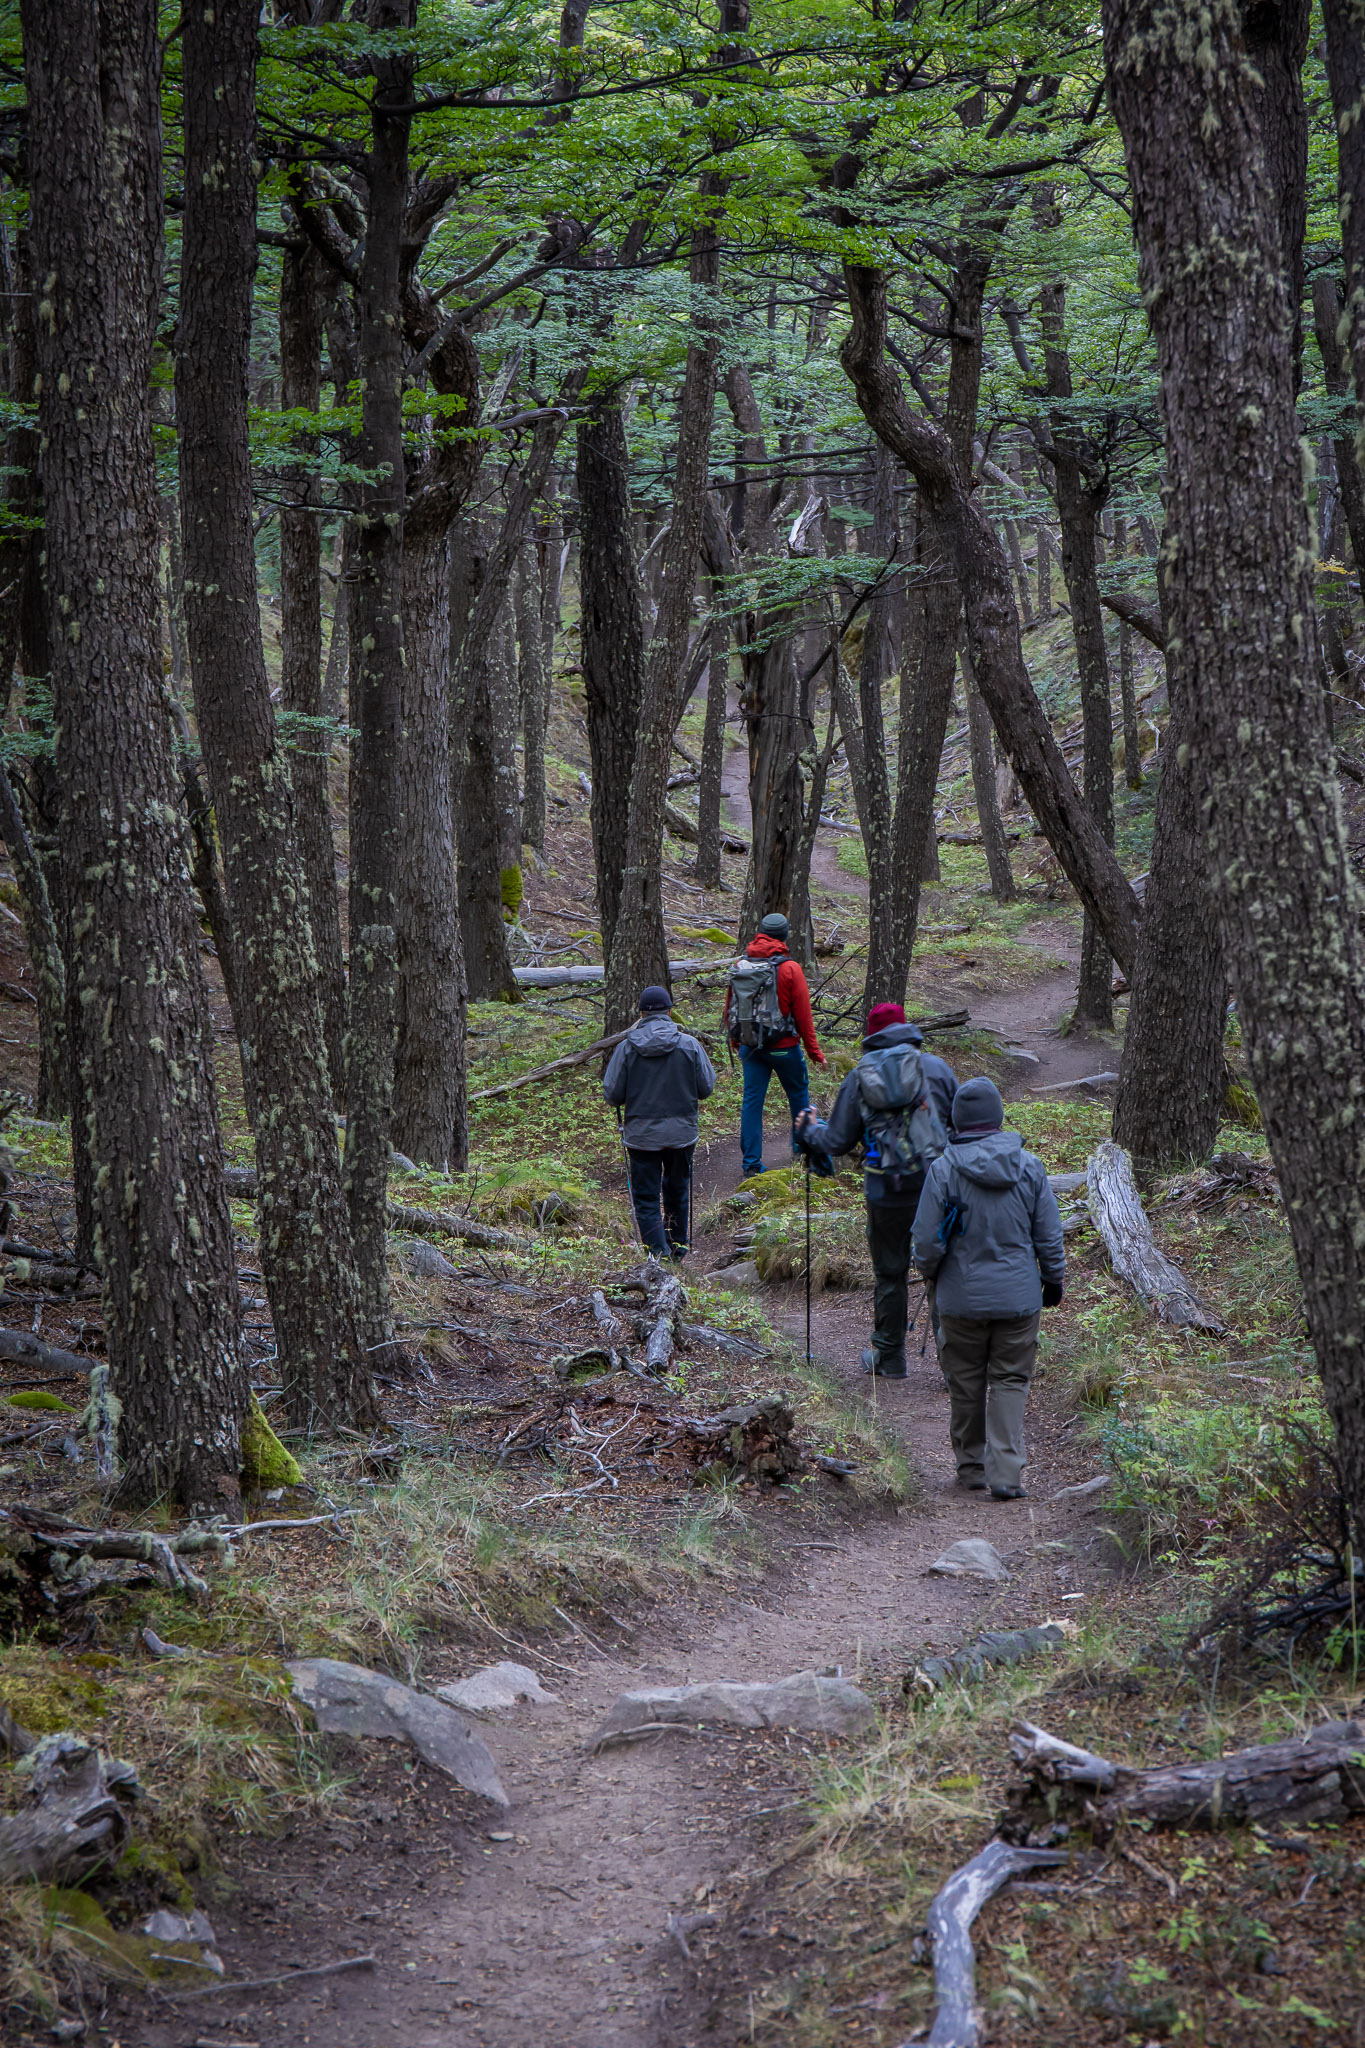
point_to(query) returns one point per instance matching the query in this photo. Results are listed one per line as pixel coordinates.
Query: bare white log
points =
(956, 2022)
(567, 977)
(609, 1324)
(1049, 1757)
(665, 1309)
(1116, 1209)
(75, 1814)
(425, 1222)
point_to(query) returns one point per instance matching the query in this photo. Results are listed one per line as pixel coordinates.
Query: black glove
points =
(1052, 1293)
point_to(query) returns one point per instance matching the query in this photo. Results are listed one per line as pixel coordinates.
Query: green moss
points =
(1241, 1107)
(47, 1699)
(35, 1398)
(512, 891)
(153, 1867)
(265, 1461)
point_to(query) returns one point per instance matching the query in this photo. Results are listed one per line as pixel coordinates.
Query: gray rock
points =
(970, 1558)
(996, 1646)
(185, 1931)
(744, 1276)
(424, 1262)
(346, 1699)
(826, 1706)
(495, 1687)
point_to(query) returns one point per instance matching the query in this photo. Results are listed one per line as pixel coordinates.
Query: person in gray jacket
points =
(889, 1215)
(989, 1236)
(658, 1074)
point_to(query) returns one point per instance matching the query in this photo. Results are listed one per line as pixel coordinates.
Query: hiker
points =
(989, 1236)
(768, 1015)
(659, 1074)
(897, 1103)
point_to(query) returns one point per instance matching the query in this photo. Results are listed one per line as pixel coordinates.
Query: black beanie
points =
(977, 1106)
(655, 998)
(774, 926)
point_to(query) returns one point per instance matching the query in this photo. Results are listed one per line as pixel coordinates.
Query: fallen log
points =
(572, 977)
(950, 1919)
(164, 1554)
(18, 1348)
(1116, 1209)
(421, 1222)
(76, 1815)
(683, 827)
(1312, 1777)
(665, 1310)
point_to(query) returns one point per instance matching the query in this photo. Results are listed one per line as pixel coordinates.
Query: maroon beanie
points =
(882, 1014)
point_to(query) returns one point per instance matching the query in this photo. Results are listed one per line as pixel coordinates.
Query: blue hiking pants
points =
(759, 1068)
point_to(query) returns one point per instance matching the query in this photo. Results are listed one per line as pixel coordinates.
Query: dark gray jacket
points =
(845, 1127)
(660, 1074)
(1011, 1235)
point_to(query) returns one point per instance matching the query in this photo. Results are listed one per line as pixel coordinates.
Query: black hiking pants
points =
(660, 1189)
(888, 1239)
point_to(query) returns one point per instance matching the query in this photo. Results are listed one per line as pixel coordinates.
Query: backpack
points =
(755, 1017)
(902, 1131)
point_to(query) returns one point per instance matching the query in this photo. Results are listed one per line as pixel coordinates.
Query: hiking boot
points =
(892, 1368)
(971, 1482)
(1008, 1493)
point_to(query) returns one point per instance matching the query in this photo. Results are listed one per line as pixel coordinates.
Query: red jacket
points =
(793, 998)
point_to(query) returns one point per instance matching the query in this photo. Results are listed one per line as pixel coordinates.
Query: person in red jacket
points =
(780, 1029)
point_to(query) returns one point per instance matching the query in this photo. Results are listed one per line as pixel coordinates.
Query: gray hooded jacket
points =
(660, 1074)
(1010, 1239)
(845, 1126)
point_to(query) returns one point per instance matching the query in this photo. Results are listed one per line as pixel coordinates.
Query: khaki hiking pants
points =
(988, 1366)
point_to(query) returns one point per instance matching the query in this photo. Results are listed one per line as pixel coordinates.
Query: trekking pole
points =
(808, 1258)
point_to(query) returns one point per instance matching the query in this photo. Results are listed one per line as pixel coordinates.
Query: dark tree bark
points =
(1020, 572)
(984, 786)
(430, 1102)
(531, 689)
(377, 677)
(52, 1098)
(301, 647)
(709, 786)
(305, 1243)
(1172, 1073)
(1336, 364)
(1081, 480)
(1344, 23)
(961, 530)
(1275, 33)
(769, 698)
(1240, 596)
(613, 644)
(142, 1036)
(1042, 549)
(639, 951)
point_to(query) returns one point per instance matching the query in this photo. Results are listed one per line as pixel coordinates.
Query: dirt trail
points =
(558, 1934)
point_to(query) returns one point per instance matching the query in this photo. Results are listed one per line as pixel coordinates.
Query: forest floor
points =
(817, 1858)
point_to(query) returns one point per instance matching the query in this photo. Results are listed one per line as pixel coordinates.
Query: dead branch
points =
(283, 1977)
(1118, 1214)
(573, 1059)
(665, 1308)
(950, 1919)
(421, 1222)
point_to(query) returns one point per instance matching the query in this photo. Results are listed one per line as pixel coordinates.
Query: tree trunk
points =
(53, 1097)
(983, 783)
(430, 1114)
(1240, 595)
(488, 965)
(1020, 572)
(639, 952)
(1336, 362)
(377, 677)
(875, 812)
(926, 695)
(310, 747)
(139, 1011)
(1132, 749)
(613, 644)
(531, 687)
(709, 787)
(1082, 484)
(967, 541)
(305, 1247)
(1172, 1072)
(1042, 550)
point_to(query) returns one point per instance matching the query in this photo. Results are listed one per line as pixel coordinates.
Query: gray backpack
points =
(902, 1132)
(755, 1016)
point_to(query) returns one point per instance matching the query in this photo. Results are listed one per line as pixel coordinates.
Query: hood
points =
(654, 1036)
(992, 1162)
(894, 1034)
(763, 948)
